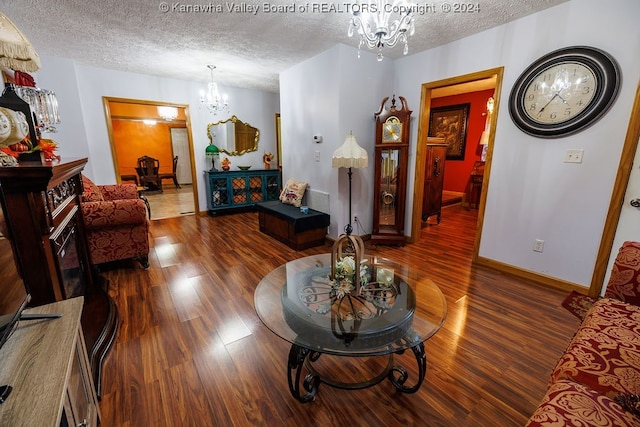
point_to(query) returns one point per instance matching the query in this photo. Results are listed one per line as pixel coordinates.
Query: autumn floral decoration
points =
(46, 146)
(226, 164)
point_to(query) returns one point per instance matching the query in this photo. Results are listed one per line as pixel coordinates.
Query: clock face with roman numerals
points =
(392, 130)
(564, 92)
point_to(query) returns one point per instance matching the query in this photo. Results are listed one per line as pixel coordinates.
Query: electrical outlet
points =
(355, 218)
(573, 155)
(317, 156)
(538, 245)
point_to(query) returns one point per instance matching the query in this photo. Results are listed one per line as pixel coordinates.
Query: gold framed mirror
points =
(233, 136)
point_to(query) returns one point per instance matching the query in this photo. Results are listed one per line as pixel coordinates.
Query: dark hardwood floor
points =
(191, 351)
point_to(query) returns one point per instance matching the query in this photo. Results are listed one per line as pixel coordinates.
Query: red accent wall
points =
(456, 172)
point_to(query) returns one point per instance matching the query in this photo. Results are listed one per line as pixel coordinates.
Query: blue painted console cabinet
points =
(241, 189)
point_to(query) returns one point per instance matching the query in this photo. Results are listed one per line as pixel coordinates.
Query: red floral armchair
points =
(116, 223)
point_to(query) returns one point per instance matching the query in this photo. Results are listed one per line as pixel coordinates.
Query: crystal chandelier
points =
(373, 22)
(167, 113)
(212, 99)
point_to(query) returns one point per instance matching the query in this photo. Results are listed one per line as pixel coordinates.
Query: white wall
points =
(83, 131)
(532, 193)
(333, 94)
(71, 134)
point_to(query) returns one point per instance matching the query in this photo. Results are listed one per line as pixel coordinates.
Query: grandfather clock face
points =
(392, 130)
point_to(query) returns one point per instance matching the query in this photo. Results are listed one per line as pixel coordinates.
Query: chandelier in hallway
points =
(382, 23)
(212, 99)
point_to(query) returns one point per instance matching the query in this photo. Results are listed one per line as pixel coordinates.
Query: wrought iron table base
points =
(300, 358)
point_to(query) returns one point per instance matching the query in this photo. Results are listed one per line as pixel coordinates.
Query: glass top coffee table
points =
(396, 309)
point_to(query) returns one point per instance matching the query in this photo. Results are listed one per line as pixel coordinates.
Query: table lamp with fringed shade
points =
(15, 50)
(350, 155)
(16, 53)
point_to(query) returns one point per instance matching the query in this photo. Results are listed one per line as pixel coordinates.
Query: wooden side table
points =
(474, 186)
(131, 177)
(144, 199)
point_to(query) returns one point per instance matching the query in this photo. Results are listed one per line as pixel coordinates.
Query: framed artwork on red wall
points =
(450, 123)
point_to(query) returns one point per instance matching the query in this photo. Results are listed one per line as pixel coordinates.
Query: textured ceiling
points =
(250, 45)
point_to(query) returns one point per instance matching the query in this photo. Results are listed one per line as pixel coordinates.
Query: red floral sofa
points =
(596, 382)
(116, 223)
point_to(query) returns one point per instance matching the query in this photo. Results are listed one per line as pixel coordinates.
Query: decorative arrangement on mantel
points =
(17, 59)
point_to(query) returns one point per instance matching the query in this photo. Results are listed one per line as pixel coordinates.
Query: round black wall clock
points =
(564, 91)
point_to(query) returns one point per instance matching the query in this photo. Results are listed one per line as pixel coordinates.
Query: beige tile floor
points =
(171, 202)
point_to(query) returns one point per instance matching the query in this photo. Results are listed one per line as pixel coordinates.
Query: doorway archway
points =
(152, 135)
(423, 131)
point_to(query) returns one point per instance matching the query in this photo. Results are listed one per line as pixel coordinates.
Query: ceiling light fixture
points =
(373, 22)
(212, 99)
(167, 113)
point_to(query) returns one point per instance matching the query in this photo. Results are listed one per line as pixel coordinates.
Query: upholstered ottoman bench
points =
(289, 225)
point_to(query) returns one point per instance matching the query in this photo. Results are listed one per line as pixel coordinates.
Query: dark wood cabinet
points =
(41, 206)
(436, 153)
(473, 192)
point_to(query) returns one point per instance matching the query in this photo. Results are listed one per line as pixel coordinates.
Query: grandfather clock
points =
(391, 163)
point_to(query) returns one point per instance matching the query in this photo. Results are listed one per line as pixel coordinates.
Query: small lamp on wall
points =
(350, 155)
(484, 141)
(484, 138)
(212, 152)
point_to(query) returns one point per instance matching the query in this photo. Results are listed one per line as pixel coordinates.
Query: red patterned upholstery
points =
(598, 375)
(596, 382)
(624, 284)
(116, 222)
(605, 352)
(568, 403)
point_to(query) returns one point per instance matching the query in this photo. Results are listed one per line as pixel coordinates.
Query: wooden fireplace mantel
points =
(41, 205)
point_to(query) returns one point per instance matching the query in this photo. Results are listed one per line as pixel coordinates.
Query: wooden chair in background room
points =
(147, 169)
(172, 175)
